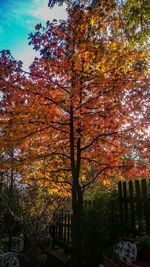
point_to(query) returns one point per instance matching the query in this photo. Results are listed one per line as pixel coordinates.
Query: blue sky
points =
(17, 20)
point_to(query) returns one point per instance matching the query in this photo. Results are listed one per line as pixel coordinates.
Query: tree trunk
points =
(1, 208)
(77, 207)
(1, 189)
(77, 195)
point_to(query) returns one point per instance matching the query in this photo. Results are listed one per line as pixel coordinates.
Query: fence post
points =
(146, 211)
(138, 206)
(132, 207)
(120, 202)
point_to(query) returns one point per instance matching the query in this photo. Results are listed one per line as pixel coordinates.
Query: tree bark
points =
(1, 189)
(77, 207)
(77, 195)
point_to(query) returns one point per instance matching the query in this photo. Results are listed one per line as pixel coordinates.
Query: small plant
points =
(144, 241)
(3, 244)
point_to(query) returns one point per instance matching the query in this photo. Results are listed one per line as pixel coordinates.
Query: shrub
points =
(101, 227)
(144, 241)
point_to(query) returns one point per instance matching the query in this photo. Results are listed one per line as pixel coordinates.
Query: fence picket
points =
(125, 206)
(139, 206)
(120, 201)
(132, 207)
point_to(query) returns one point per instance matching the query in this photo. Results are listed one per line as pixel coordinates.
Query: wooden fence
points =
(62, 223)
(132, 211)
(134, 206)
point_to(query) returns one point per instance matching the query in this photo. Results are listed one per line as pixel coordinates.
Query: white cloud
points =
(42, 12)
(26, 54)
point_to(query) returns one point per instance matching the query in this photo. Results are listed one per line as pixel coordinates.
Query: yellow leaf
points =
(92, 22)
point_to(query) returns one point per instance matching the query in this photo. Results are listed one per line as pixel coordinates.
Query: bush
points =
(101, 227)
(144, 241)
(4, 244)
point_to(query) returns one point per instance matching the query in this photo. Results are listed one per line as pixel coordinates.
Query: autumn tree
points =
(82, 105)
